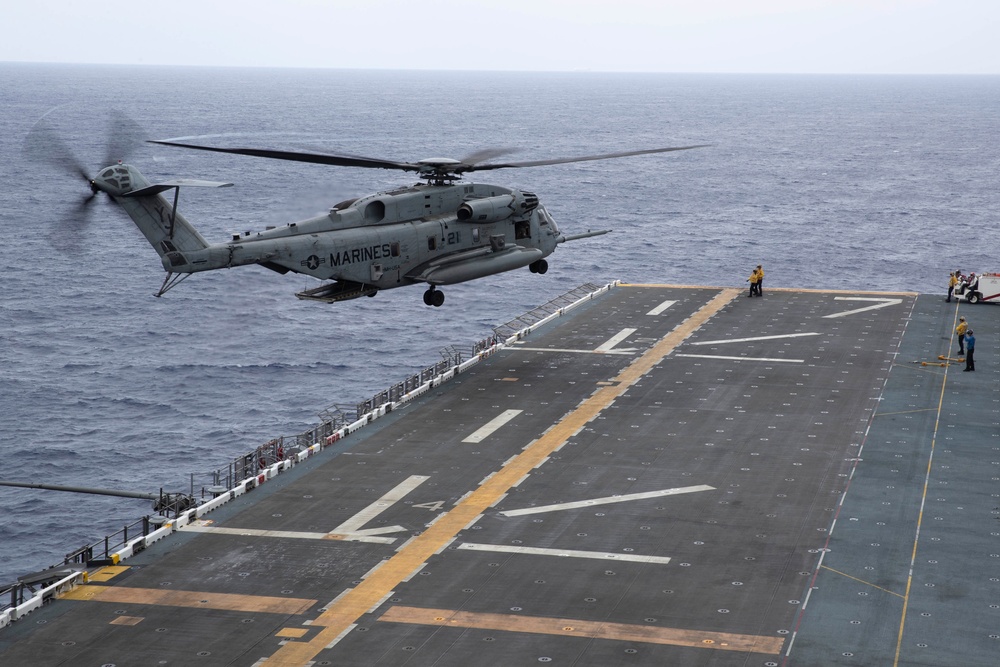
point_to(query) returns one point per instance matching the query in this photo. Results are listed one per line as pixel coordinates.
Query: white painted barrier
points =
(218, 501)
(160, 533)
(45, 594)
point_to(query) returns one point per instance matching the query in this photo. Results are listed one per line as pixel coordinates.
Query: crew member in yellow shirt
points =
(753, 283)
(952, 282)
(962, 327)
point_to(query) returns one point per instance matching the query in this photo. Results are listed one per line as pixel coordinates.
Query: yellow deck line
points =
(573, 627)
(861, 581)
(372, 591)
(905, 412)
(191, 599)
(923, 502)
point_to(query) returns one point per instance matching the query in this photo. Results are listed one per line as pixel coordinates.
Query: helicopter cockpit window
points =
(522, 229)
(545, 219)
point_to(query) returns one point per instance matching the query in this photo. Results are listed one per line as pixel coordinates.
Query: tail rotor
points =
(44, 145)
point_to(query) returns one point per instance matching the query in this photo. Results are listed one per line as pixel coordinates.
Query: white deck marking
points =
(719, 356)
(564, 553)
(749, 340)
(491, 426)
(349, 531)
(353, 525)
(629, 350)
(198, 528)
(662, 307)
(614, 340)
(336, 640)
(880, 303)
(252, 532)
(606, 501)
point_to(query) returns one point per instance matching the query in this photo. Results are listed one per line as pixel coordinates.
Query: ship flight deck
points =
(665, 475)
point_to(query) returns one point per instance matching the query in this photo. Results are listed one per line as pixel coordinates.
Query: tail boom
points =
(167, 231)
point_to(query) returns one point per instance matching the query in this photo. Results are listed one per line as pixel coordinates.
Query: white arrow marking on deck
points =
(755, 338)
(621, 350)
(565, 553)
(662, 307)
(352, 527)
(719, 356)
(881, 303)
(607, 501)
(298, 535)
(487, 429)
(614, 340)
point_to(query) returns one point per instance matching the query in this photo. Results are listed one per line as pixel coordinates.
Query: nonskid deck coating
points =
(642, 482)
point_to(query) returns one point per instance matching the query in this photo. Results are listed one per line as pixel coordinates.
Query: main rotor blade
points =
(565, 160)
(314, 158)
(486, 154)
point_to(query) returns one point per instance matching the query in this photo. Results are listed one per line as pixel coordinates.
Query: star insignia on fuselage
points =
(312, 262)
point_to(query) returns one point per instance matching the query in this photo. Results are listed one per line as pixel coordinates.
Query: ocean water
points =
(846, 182)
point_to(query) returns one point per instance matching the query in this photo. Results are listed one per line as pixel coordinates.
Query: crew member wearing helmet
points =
(753, 282)
(970, 349)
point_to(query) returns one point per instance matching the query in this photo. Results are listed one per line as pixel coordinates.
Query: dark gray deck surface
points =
(913, 572)
(684, 497)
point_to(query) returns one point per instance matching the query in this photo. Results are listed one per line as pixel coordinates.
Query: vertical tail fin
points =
(165, 229)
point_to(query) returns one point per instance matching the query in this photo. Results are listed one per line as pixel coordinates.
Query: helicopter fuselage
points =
(438, 234)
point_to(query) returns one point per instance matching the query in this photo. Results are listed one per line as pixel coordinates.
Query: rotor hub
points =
(438, 170)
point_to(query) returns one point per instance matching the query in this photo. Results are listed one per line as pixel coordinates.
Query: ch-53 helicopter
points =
(440, 231)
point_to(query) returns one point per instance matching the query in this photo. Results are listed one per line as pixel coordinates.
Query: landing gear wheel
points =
(433, 297)
(539, 266)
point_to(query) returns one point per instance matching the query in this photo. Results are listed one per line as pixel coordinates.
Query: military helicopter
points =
(440, 231)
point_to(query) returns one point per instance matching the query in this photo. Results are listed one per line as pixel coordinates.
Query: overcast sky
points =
(821, 36)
